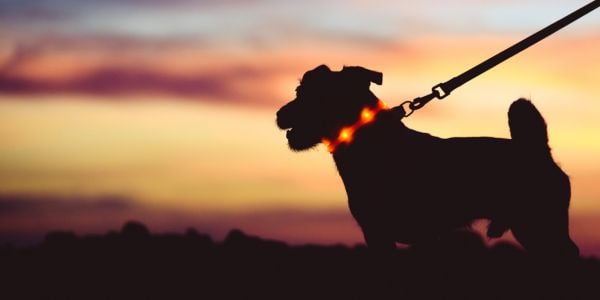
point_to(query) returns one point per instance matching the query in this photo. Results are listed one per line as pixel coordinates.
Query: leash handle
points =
(441, 90)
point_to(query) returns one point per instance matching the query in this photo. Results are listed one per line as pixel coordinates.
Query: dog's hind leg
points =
(546, 235)
(542, 223)
(553, 254)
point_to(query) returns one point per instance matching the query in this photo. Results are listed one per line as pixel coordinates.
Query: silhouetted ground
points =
(134, 264)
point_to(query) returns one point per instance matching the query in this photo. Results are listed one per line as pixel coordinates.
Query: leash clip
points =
(405, 112)
(439, 91)
(407, 108)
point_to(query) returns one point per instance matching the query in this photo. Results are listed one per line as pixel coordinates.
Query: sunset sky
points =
(164, 111)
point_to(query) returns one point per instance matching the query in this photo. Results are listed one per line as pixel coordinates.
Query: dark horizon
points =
(296, 227)
(134, 263)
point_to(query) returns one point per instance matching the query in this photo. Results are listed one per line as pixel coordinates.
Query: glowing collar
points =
(346, 133)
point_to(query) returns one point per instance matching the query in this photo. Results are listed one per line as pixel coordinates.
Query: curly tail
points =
(527, 126)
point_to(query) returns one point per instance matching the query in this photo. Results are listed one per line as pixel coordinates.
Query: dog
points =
(409, 187)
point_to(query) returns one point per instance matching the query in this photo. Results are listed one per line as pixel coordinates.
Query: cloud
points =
(56, 8)
(115, 65)
(30, 205)
(70, 15)
(117, 80)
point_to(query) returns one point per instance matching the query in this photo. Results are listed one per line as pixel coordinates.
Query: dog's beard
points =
(299, 141)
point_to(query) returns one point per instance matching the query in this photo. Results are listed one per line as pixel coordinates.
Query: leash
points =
(442, 90)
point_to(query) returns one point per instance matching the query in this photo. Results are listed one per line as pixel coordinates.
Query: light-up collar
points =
(346, 133)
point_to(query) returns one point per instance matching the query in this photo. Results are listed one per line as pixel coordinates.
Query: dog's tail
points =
(527, 126)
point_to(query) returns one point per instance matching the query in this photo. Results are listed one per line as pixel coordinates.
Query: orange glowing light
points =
(346, 134)
(328, 145)
(366, 115)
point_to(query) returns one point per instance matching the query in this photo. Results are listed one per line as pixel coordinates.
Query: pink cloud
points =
(117, 80)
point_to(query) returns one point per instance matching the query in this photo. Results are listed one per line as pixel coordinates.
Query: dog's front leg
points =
(382, 263)
(378, 240)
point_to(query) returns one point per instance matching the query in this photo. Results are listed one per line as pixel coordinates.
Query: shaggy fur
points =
(409, 187)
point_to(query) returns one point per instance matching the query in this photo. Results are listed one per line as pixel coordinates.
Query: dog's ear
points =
(364, 74)
(322, 68)
(317, 74)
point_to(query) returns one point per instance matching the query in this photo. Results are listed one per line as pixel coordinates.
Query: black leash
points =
(440, 91)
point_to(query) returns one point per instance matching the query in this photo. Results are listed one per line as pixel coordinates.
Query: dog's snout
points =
(283, 116)
(279, 114)
(281, 123)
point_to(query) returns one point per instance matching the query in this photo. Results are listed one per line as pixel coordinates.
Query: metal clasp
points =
(405, 108)
(439, 91)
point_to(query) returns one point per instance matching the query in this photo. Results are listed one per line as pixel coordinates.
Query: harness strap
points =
(442, 90)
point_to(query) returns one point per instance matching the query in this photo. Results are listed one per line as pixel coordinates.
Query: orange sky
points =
(156, 116)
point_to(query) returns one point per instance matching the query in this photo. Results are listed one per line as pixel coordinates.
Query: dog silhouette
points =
(405, 186)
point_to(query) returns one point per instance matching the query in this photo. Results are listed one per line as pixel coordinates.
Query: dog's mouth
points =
(299, 140)
(289, 133)
(294, 134)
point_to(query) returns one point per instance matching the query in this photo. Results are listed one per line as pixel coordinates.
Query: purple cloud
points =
(114, 80)
(30, 205)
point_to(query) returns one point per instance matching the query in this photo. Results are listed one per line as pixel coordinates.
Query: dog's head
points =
(326, 101)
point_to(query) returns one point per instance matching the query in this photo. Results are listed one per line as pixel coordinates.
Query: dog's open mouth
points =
(289, 133)
(301, 139)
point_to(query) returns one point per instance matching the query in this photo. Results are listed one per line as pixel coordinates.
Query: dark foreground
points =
(134, 264)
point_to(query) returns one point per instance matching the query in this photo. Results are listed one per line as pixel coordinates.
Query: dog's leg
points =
(554, 255)
(546, 235)
(383, 265)
(381, 246)
(376, 228)
(496, 229)
(379, 242)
